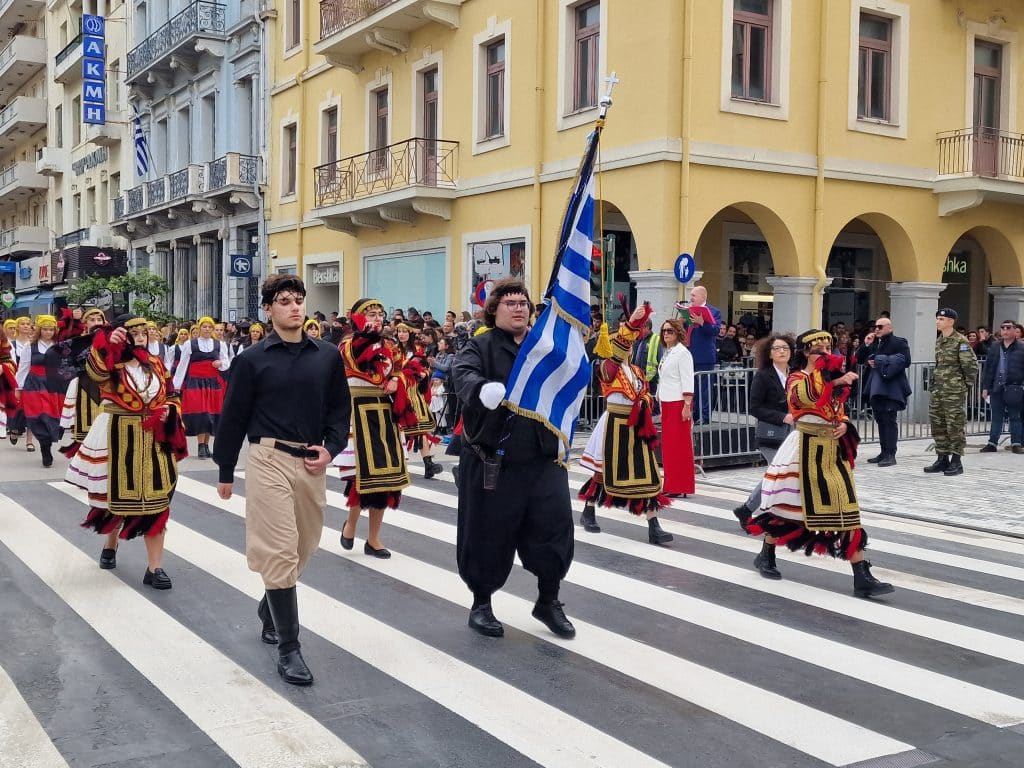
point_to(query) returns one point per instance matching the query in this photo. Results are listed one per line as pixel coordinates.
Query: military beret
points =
(947, 312)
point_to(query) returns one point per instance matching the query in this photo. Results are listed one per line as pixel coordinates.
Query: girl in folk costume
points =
(21, 343)
(82, 401)
(8, 384)
(620, 451)
(412, 400)
(199, 381)
(312, 328)
(174, 353)
(809, 500)
(373, 463)
(128, 461)
(256, 334)
(42, 396)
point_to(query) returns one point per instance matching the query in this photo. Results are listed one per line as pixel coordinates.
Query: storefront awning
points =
(24, 301)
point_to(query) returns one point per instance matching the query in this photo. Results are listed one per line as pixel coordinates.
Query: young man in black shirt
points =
(289, 396)
(526, 508)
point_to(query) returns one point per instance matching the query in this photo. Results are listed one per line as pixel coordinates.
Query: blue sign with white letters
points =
(685, 268)
(94, 53)
(241, 265)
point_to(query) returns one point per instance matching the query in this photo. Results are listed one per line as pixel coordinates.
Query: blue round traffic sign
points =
(685, 268)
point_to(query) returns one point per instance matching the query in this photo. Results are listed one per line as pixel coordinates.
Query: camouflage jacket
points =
(956, 366)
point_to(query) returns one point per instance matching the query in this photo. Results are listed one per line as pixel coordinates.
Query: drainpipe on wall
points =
(685, 129)
(300, 161)
(539, 126)
(261, 148)
(819, 181)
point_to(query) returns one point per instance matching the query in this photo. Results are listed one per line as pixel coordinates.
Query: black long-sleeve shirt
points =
(295, 392)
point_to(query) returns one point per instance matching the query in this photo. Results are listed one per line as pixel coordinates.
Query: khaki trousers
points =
(284, 514)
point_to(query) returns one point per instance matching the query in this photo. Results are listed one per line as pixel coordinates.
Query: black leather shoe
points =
(589, 519)
(765, 562)
(887, 461)
(877, 459)
(988, 448)
(552, 615)
(204, 451)
(13, 438)
(108, 559)
(743, 515)
(157, 579)
(481, 619)
(346, 542)
(292, 668)
(268, 634)
(382, 553)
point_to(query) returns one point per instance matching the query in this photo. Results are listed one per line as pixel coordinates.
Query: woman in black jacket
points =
(767, 403)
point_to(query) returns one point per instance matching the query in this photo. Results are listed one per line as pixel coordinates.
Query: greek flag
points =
(551, 372)
(142, 155)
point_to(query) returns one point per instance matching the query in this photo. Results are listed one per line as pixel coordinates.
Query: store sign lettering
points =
(955, 266)
(326, 275)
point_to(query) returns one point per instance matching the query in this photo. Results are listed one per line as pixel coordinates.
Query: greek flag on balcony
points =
(142, 155)
(551, 372)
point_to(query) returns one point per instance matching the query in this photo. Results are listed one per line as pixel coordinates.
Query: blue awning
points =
(24, 301)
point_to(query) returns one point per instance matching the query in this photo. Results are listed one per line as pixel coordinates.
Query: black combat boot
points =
(553, 616)
(955, 467)
(765, 562)
(268, 634)
(866, 585)
(431, 468)
(655, 534)
(941, 464)
(589, 519)
(284, 610)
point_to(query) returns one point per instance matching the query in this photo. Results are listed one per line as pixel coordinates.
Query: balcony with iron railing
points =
(351, 28)
(979, 164)
(390, 184)
(67, 64)
(198, 29)
(21, 60)
(18, 181)
(23, 116)
(24, 241)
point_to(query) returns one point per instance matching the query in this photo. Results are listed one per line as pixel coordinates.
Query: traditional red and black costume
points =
(82, 402)
(128, 461)
(8, 384)
(42, 396)
(200, 383)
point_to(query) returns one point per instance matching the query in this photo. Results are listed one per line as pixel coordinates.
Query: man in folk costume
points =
(620, 451)
(82, 402)
(8, 384)
(809, 499)
(373, 464)
(128, 461)
(199, 381)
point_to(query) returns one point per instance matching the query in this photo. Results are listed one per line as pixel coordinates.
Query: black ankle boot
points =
(941, 464)
(866, 585)
(430, 467)
(268, 635)
(589, 519)
(655, 534)
(765, 562)
(204, 451)
(743, 515)
(46, 453)
(955, 466)
(553, 616)
(284, 610)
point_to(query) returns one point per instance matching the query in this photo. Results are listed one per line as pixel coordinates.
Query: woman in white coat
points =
(675, 393)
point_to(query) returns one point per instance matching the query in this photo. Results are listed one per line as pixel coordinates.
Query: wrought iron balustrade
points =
(224, 172)
(8, 175)
(335, 15)
(65, 52)
(218, 173)
(981, 152)
(156, 192)
(118, 208)
(247, 170)
(410, 163)
(200, 17)
(7, 114)
(179, 184)
(72, 238)
(135, 199)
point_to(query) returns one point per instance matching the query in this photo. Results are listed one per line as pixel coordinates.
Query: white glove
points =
(491, 394)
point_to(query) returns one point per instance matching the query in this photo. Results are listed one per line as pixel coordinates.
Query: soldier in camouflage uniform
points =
(956, 369)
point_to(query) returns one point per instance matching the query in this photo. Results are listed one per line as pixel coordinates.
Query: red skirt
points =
(202, 398)
(676, 449)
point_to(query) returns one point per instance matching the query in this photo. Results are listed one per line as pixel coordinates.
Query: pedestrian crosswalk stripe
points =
(876, 612)
(813, 732)
(534, 728)
(23, 742)
(250, 722)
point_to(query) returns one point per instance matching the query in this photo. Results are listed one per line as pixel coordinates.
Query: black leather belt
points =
(292, 450)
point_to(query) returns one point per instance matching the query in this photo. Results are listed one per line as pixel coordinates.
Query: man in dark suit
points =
(887, 357)
(701, 338)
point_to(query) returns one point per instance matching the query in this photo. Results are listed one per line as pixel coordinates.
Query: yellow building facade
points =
(823, 160)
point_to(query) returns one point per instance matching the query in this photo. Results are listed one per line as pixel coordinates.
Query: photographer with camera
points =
(513, 492)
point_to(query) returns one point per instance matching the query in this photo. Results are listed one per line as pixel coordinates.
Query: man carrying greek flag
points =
(521, 391)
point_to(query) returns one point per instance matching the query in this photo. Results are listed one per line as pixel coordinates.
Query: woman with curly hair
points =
(809, 500)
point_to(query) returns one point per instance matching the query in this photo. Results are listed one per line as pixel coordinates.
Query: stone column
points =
(660, 288)
(794, 303)
(913, 316)
(1007, 304)
(182, 281)
(205, 279)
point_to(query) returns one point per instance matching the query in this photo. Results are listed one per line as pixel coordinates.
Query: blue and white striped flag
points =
(142, 155)
(551, 372)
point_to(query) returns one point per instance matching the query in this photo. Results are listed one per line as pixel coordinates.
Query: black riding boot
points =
(765, 562)
(941, 464)
(655, 534)
(268, 635)
(284, 609)
(589, 519)
(866, 585)
(430, 468)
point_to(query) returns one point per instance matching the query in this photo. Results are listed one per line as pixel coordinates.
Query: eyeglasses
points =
(783, 348)
(515, 304)
(1008, 325)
